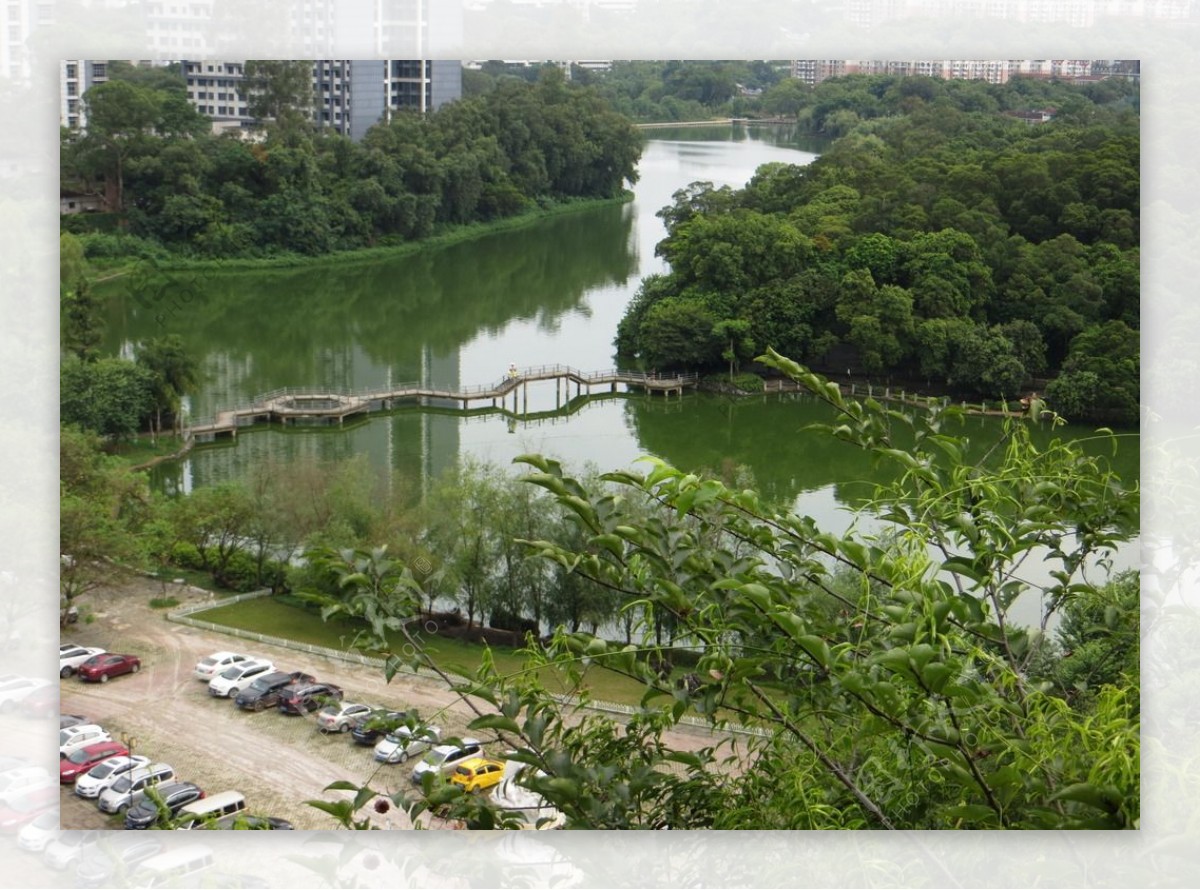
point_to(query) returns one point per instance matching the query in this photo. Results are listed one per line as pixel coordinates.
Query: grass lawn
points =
(268, 616)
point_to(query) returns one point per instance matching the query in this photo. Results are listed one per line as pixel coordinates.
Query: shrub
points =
(188, 556)
(240, 573)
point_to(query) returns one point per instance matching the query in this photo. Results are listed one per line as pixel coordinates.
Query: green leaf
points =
(495, 721)
(1101, 797)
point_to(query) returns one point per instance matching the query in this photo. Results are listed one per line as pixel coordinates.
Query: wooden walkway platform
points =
(293, 405)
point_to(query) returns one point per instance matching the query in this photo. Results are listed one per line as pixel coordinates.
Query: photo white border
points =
(1166, 852)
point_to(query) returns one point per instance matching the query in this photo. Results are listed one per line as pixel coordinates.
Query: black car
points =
(175, 796)
(304, 698)
(371, 728)
(263, 693)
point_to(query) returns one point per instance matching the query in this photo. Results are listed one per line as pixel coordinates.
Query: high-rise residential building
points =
(20, 18)
(76, 77)
(349, 95)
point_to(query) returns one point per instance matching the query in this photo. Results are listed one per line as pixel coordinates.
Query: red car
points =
(75, 765)
(100, 667)
(16, 811)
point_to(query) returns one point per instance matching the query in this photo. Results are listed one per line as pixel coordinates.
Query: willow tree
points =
(875, 678)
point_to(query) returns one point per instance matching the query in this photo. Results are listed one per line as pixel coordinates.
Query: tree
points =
(112, 397)
(736, 333)
(1100, 378)
(890, 693)
(174, 373)
(279, 92)
(101, 508)
(81, 320)
(120, 116)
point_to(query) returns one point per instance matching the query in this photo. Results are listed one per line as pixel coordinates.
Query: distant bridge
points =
(291, 404)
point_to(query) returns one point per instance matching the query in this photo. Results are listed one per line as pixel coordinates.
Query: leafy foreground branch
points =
(880, 674)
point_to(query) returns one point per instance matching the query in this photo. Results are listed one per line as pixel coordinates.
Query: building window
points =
(99, 69)
(72, 71)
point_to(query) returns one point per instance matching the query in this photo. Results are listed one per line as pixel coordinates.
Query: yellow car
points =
(478, 773)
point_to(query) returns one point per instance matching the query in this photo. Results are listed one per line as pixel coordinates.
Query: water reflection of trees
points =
(294, 322)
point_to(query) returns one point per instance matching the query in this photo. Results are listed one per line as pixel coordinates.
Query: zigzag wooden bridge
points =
(291, 405)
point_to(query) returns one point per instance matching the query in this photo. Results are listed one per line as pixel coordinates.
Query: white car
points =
(17, 782)
(71, 656)
(41, 831)
(402, 743)
(445, 758)
(13, 689)
(104, 773)
(73, 738)
(238, 676)
(211, 665)
(338, 717)
(68, 847)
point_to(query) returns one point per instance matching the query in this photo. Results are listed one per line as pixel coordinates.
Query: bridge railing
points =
(263, 400)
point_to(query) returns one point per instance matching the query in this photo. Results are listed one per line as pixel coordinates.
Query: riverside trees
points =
(945, 242)
(301, 190)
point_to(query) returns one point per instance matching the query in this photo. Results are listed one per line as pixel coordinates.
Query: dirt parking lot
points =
(276, 761)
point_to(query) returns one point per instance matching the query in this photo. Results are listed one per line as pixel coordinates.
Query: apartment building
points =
(349, 95)
(813, 71)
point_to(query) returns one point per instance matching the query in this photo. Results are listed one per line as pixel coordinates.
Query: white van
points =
(175, 868)
(195, 814)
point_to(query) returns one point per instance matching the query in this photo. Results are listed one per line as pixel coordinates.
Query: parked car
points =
(174, 796)
(337, 717)
(445, 758)
(367, 729)
(263, 693)
(130, 787)
(14, 782)
(68, 846)
(234, 678)
(478, 773)
(99, 668)
(304, 698)
(402, 743)
(71, 657)
(201, 812)
(15, 689)
(39, 831)
(41, 702)
(92, 783)
(65, 720)
(211, 665)
(79, 761)
(97, 866)
(73, 738)
(25, 805)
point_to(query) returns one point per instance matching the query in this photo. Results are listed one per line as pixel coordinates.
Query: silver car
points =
(131, 787)
(402, 743)
(445, 758)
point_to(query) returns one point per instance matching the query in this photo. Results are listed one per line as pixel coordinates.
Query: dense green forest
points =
(939, 240)
(173, 189)
(657, 90)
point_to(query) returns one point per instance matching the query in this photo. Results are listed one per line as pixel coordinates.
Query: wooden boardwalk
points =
(293, 405)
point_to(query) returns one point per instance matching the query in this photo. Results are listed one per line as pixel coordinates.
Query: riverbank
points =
(445, 238)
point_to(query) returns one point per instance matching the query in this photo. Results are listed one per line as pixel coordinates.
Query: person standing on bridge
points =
(513, 373)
